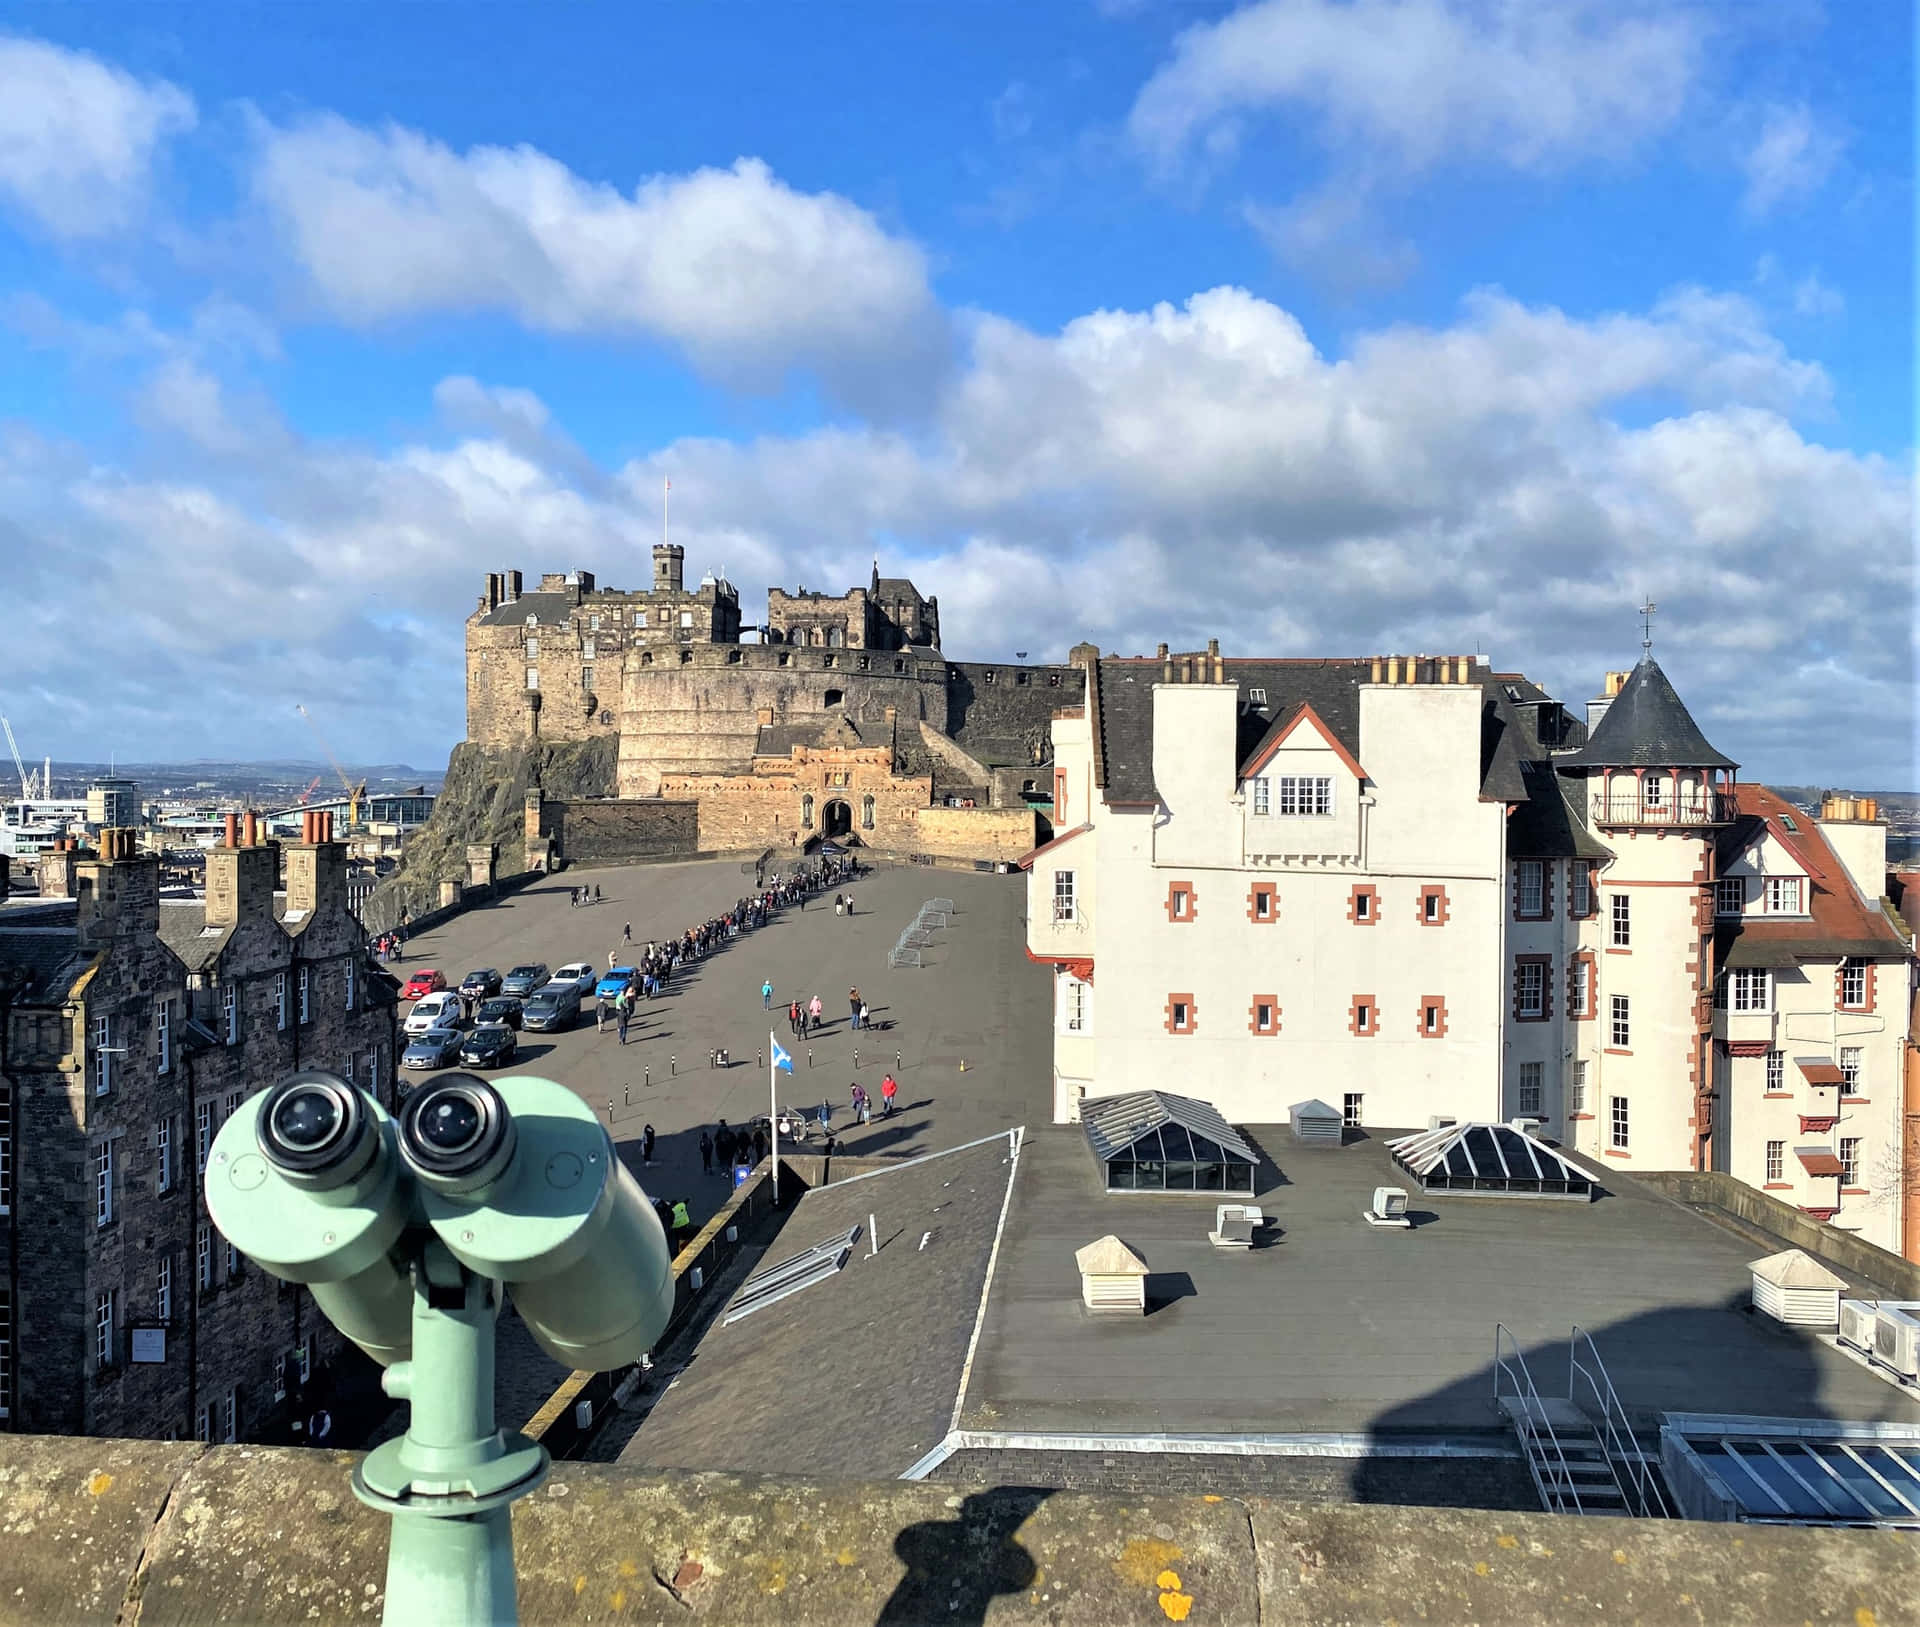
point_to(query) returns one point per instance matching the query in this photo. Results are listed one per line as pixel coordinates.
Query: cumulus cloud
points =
(1789, 158)
(745, 275)
(1511, 481)
(79, 137)
(1416, 82)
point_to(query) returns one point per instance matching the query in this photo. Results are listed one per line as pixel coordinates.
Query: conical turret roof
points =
(1647, 726)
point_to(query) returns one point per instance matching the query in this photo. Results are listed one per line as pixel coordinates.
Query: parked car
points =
(423, 982)
(502, 1011)
(490, 1047)
(441, 1009)
(480, 985)
(580, 974)
(551, 1009)
(436, 1048)
(524, 980)
(615, 980)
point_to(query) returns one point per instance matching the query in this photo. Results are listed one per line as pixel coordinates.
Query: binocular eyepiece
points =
(456, 1135)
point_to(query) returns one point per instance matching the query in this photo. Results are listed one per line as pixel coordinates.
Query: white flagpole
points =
(773, 1114)
(666, 486)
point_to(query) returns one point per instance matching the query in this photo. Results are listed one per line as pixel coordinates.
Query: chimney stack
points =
(119, 891)
(511, 590)
(57, 869)
(317, 868)
(240, 882)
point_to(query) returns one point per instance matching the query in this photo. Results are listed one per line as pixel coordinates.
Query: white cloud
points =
(1180, 472)
(1335, 233)
(1414, 83)
(744, 274)
(1789, 158)
(78, 137)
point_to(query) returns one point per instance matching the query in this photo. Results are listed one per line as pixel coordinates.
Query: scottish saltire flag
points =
(780, 1057)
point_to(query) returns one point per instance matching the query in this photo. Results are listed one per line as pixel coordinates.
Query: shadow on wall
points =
(956, 1568)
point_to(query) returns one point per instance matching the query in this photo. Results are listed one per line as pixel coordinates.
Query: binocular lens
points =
(306, 1119)
(313, 1124)
(457, 1133)
(450, 1125)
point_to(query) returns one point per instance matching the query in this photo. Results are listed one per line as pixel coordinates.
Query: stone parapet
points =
(134, 1531)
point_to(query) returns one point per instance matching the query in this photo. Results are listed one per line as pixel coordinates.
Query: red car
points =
(423, 982)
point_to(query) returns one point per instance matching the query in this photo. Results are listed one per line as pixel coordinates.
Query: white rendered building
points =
(1413, 887)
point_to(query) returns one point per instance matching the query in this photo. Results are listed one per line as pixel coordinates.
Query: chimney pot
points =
(230, 831)
(250, 829)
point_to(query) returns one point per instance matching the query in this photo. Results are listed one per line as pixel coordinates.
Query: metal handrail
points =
(1533, 1418)
(1645, 1498)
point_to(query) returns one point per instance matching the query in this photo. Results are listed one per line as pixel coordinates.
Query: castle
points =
(844, 720)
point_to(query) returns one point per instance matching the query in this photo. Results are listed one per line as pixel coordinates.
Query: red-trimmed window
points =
(1532, 988)
(1532, 890)
(1433, 1016)
(1853, 985)
(1363, 906)
(1059, 796)
(1363, 1017)
(1433, 906)
(1263, 903)
(1263, 1016)
(1180, 901)
(1182, 1014)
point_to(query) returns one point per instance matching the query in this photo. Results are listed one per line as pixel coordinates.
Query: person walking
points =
(626, 933)
(706, 1153)
(620, 1019)
(766, 996)
(849, 903)
(759, 1145)
(646, 1145)
(888, 1090)
(600, 1015)
(866, 1017)
(826, 1115)
(682, 1224)
(857, 1096)
(853, 1007)
(596, 892)
(723, 1145)
(814, 1008)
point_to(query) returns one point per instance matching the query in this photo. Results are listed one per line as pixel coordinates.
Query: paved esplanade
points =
(977, 999)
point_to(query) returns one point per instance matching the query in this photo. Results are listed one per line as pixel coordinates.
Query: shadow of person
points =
(957, 1567)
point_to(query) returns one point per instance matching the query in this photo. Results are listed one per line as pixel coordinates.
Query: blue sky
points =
(1320, 326)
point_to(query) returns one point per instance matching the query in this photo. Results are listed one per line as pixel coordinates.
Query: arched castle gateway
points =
(844, 718)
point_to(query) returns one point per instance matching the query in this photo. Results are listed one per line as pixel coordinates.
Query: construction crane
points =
(27, 787)
(354, 792)
(312, 786)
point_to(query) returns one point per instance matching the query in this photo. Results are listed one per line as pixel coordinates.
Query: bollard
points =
(896, 1061)
(673, 1066)
(856, 1056)
(809, 1056)
(647, 1079)
(626, 1095)
(609, 1110)
(758, 1062)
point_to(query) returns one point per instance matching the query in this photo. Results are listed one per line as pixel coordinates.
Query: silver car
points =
(436, 1048)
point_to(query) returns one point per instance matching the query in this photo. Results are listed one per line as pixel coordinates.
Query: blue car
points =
(615, 981)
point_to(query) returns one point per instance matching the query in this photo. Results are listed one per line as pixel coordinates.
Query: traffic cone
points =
(963, 1064)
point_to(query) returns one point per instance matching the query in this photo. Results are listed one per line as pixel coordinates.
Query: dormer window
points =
(1256, 697)
(1783, 895)
(533, 621)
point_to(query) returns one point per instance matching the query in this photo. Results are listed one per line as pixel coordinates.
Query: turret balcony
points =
(1626, 800)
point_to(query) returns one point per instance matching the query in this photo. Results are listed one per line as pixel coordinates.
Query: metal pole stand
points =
(450, 1480)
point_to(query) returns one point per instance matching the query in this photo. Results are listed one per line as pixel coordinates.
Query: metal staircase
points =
(1579, 1449)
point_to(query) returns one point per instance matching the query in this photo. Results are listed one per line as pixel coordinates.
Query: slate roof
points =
(41, 964)
(551, 608)
(1647, 726)
(1839, 923)
(1551, 823)
(780, 739)
(857, 1374)
(184, 930)
(1331, 687)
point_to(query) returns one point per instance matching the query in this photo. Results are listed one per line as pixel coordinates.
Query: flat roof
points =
(857, 1373)
(1337, 1326)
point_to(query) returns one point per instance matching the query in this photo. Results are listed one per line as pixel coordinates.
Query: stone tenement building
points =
(844, 720)
(129, 1029)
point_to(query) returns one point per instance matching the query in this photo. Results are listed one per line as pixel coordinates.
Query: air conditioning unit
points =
(1896, 1343)
(1857, 1318)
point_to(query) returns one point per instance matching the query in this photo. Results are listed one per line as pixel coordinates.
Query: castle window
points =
(866, 662)
(899, 666)
(1023, 677)
(586, 679)
(834, 638)
(833, 697)
(686, 618)
(685, 657)
(733, 658)
(646, 658)
(639, 618)
(989, 676)
(533, 621)
(786, 660)
(586, 647)
(829, 660)
(533, 646)
(1053, 680)
(593, 624)
(533, 677)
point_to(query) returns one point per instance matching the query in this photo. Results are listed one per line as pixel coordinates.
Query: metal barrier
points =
(1538, 1439)
(932, 916)
(1639, 1485)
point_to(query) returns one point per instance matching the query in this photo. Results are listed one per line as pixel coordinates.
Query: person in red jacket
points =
(888, 1089)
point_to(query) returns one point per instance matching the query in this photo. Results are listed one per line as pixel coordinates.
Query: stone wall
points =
(157, 1533)
(999, 834)
(619, 831)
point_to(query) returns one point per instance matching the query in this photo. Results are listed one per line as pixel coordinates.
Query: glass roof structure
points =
(1489, 1160)
(1782, 1471)
(790, 1275)
(1154, 1141)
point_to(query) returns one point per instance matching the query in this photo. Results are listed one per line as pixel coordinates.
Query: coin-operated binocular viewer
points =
(411, 1234)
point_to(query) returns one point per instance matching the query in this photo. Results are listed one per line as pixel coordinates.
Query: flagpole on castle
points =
(773, 1110)
(665, 487)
